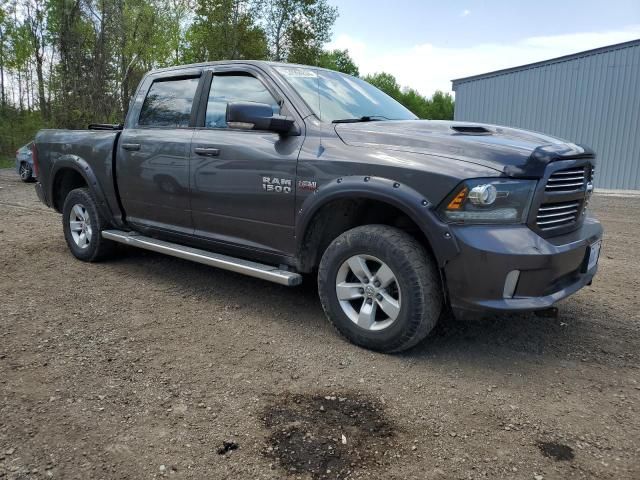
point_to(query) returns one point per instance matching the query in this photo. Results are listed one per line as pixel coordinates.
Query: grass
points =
(7, 162)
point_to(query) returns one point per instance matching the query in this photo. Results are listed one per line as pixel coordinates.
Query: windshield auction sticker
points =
(297, 72)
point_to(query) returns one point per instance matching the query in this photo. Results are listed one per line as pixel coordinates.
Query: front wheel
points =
(82, 224)
(380, 288)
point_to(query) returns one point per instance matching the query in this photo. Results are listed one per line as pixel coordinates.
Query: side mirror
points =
(258, 116)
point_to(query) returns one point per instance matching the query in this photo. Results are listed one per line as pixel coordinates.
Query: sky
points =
(425, 44)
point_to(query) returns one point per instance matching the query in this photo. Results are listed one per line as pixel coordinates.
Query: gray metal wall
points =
(593, 100)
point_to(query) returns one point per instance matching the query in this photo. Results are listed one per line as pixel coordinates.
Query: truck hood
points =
(514, 152)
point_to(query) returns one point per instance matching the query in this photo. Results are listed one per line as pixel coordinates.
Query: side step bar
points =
(246, 267)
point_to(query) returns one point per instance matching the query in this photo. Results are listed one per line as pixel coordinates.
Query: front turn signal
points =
(458, 200)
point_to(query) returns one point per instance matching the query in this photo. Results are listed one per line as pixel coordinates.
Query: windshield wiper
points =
(365, 118)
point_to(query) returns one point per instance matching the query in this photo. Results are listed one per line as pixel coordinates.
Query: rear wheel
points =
(380, 288)
(26, 172)
(83, 223)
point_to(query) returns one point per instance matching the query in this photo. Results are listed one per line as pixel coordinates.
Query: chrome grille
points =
(558, 214)
(567, 180)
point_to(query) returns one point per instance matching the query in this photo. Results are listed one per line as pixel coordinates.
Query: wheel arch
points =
(314, 228)
(70, 172)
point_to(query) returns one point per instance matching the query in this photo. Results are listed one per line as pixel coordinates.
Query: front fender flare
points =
(394, 193)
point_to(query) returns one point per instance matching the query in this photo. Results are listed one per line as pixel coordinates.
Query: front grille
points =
(567, 180)
(558, 214)
(561, 206)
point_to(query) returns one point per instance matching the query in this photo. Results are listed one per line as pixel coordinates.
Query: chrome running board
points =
(246, 267)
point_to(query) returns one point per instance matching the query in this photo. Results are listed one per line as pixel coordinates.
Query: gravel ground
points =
(147, 366)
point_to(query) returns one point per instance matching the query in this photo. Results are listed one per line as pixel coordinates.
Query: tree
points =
(176, 13)
(226, 29)
(415, 102)
(439, 107)
(66, 63)
(340, 61)
(4, 27)
(148, 37)
(35, 24)
(385, 82)
(442, 106)
(298, 29)
(18, 57)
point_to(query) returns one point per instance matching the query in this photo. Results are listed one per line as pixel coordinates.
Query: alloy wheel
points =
(25, 171)
(80, 225)
(368, 292)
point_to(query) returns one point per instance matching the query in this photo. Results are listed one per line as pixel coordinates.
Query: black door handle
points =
(131, 146)
(207, 151)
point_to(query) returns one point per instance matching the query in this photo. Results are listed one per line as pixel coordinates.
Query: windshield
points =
(335, 96)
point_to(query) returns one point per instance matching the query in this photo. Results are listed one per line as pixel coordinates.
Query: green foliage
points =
(224, 30)
(298, 29)
(442, 106)
(385, 82)
(6, 161)
(80, 61)
(438, 107)
(67, 63)
(18, 56)
(340, 61)
(17, 128)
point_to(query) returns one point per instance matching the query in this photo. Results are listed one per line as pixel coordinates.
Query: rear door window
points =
(169, 103)
(236, 87)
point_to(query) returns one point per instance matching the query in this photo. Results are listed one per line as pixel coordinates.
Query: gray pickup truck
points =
(277, 170)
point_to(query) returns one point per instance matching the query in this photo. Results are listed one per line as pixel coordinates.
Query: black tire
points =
(97, 247)
(26, 172)
(416, 276)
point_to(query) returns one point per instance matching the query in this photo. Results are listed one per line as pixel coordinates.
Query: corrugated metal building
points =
(591, 97)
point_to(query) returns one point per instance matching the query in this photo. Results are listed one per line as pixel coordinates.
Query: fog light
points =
(483, 194)
(510, 283)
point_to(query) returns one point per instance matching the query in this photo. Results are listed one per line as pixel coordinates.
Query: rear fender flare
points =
(394, 193)
(78, 164)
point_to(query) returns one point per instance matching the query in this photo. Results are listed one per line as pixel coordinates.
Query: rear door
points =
(154, 151)
(243, 181)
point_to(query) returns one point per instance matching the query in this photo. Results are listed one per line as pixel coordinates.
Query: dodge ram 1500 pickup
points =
(276, 170)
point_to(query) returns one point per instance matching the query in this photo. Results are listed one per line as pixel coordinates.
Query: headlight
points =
(489, 200)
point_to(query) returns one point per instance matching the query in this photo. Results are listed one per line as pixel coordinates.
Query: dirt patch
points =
(328, 436)
(141, 366)
(227, 447)
(555, 450)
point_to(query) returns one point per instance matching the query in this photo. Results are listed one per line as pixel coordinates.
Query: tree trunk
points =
(124, 66)
(51, 63)
(42, 101)
(20, 99)
(3, 100)
(28, 82)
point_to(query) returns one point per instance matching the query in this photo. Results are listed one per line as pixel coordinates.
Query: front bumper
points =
(549, 269)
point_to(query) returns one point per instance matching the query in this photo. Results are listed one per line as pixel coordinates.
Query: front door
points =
(153, 158)
(243, 181)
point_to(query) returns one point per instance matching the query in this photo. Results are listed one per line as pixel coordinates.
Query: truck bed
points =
(92, 150)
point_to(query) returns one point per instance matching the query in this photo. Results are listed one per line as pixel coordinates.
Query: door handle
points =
(131, 146)
(207, 151)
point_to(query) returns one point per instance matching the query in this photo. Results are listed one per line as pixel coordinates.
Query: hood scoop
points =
(471, 129)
